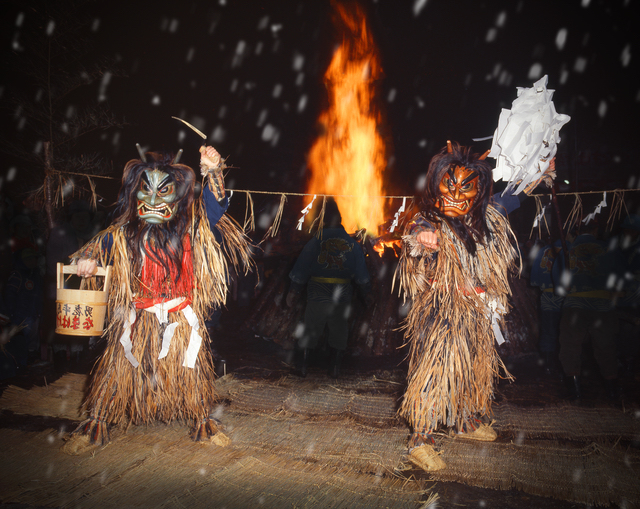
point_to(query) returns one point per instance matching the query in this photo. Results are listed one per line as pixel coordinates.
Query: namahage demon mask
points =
(458, 188)
(157, 197)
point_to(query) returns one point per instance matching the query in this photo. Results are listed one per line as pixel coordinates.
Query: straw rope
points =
(574, 216)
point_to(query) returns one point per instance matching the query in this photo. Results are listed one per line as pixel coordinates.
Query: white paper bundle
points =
(526, 138)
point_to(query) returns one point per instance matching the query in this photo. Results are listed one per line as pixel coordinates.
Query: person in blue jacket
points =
(586, 278)
(330, 264)
(550, 303)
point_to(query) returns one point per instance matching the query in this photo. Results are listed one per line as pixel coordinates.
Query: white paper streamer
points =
(195, 340)
(125, 339)
(496, 310)
(597, 210)
(526, 138)
(169, 331)
(304, 212)
(397, 215)
(496, 328)
(539, 217)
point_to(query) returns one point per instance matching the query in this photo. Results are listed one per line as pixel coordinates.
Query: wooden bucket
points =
(81, 312)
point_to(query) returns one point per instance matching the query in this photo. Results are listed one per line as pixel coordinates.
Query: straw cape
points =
(147, 383)
(456, 299)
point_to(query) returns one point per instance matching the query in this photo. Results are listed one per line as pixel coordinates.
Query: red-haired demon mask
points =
(458, 188)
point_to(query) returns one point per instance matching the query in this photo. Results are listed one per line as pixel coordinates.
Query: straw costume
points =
(169, 255)
(454, 268)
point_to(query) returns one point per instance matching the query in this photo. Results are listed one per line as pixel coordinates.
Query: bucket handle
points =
(73, 269)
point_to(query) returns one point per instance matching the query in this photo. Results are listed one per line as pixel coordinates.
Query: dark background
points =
(449, 68)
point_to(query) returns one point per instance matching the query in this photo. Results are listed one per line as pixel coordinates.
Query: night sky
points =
(249, 75)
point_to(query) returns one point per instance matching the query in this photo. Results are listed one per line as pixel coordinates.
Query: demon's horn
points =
(449, 147)
(484, 156)
(177, 157)
(142, 156)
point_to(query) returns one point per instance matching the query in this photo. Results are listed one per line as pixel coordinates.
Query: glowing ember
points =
(349, 158)
(380, 245)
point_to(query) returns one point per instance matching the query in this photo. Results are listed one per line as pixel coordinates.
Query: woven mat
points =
(567, 422)
(306, 485)
(159, 466)
(371, 400)
(61, 399)
(285, 423)
(344, 444)
(590, 474)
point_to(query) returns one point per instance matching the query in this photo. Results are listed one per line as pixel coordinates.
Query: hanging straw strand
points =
(575, 215)
(273, 229)
(617, 204)
(319, 219)
(250, 221)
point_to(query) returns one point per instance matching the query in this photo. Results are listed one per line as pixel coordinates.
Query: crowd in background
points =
(28, 282)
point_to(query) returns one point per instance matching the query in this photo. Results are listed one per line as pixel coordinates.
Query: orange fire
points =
(394, 244)
(349, 158)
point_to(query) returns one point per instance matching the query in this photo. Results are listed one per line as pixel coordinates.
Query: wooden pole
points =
(48, 187)
(556, 210)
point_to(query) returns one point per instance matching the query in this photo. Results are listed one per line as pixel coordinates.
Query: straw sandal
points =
(77, 444)
(483, 433)
(426, 458)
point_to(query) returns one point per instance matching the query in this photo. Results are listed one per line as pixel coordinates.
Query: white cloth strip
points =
(125, 339)
(161, 310)
(195, 340)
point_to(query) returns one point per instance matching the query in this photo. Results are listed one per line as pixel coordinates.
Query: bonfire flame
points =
(349, 158)
(387, 242)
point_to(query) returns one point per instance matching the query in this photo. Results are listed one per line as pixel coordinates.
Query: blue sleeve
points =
(419, 224)
(505, 204)
(215, 209)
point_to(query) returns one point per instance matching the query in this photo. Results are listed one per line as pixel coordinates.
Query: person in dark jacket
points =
(21, 309)
(329, 265)
(588, 311)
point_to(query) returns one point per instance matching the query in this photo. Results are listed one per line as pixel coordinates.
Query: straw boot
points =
(426, 458)
(480, 432)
